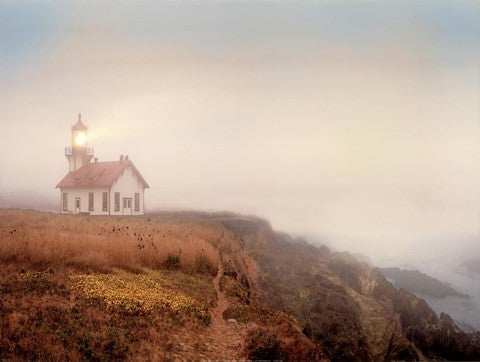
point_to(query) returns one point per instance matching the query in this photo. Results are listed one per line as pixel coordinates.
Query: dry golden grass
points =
(103, 243)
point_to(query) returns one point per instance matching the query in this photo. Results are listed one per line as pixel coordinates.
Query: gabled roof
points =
(98, 174)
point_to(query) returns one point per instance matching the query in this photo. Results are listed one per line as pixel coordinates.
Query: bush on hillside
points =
(172, 262)
(263, 344)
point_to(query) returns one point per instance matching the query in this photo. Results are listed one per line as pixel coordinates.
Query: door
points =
(77, 205)
(127, 206)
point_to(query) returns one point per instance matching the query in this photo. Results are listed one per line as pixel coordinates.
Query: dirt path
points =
(226, 339)
(222, 303)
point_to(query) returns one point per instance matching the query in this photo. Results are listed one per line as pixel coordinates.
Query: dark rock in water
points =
(417, 282)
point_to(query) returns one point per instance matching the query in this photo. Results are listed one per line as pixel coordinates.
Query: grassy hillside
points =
(80, 287)
(101, 288)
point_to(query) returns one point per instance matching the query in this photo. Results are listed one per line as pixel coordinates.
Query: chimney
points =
(126, 158)
(96, 159)
(121, 158)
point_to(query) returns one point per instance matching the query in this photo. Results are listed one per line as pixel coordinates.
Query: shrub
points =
(262, 344)
(204, 266)
(204, 317)
(172, 262)
(234, 290)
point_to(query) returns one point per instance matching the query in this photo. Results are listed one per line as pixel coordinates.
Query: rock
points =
(231, 320)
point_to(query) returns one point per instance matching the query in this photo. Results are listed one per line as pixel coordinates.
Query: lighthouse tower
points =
(78, 154)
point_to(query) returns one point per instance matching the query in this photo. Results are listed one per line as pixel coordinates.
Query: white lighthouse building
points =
(99, 188)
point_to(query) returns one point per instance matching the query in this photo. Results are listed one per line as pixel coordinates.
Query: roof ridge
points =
(99, 174)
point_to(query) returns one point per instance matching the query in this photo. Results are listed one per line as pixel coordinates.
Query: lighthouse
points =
(99, 188)
(78, 154)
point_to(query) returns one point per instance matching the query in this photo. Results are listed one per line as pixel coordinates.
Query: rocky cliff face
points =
(348, 308)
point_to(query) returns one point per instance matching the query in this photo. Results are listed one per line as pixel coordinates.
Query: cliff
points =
(348, 308)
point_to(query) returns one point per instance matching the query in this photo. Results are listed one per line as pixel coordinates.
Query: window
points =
(90, 201)
(137, 201)
(104, 201)
(65, 201)
(117, 201)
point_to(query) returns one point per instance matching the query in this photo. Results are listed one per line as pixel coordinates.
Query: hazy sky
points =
(353, 119)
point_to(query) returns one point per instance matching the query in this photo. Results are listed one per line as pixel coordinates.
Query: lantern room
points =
(78, 154)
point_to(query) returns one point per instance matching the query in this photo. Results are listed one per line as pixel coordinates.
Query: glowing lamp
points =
(80, 139)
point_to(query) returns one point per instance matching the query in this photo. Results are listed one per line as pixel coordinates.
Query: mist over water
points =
(440, 256)
(444, 258)
(356, 125)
